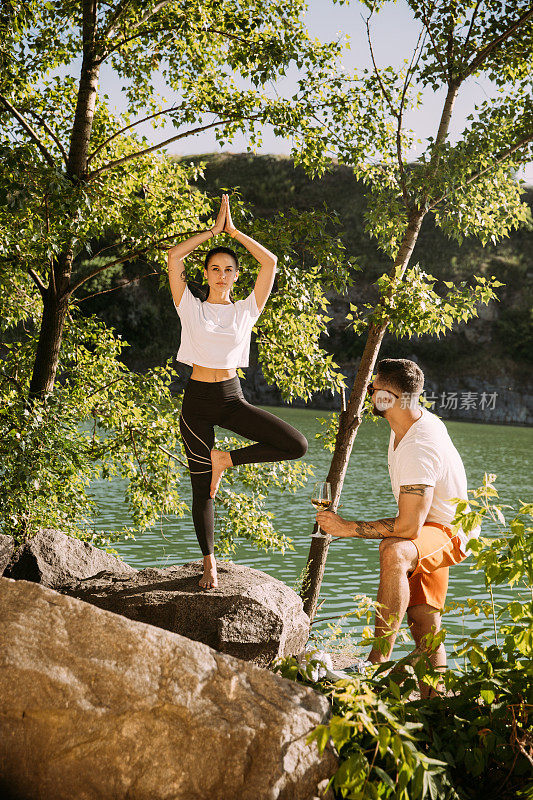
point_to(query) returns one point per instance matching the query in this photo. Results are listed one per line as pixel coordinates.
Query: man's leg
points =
(397, 558)
(424, 619)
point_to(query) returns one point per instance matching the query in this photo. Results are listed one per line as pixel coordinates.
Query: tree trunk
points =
(57, 294)
(55, 305)
(349, 422)
(87, 93)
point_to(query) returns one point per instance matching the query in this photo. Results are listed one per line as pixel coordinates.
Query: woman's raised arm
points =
(267, 260)
(176, 254)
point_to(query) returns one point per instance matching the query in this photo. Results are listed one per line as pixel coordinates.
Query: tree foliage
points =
(83, 192)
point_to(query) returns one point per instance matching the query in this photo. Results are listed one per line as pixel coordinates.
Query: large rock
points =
(95, 706)
(251, 615)
(7, 548)
(52, 558)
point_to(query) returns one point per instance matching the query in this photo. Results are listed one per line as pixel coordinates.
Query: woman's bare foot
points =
(209, 578)
(220, 460)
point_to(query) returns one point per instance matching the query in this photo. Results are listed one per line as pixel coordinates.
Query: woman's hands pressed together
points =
(229, 227)
(218, 227)
(224, 222)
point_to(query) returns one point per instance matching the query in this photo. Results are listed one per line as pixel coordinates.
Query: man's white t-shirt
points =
(216, 335)
(426, 454)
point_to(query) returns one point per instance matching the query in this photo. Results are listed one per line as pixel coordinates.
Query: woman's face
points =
(221, 272)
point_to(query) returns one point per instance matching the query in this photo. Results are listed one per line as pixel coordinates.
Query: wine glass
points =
(321, 499)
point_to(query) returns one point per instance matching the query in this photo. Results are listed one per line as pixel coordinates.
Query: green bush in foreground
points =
(474, 737)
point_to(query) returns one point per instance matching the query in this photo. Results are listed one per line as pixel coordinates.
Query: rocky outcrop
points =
(94, 705)
(7, 549)
(498, 399)
(52, 558)
(251, 615)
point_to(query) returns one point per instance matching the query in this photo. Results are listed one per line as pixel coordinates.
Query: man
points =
(416, 547)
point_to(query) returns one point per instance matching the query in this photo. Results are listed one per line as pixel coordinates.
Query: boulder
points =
(94, 705)
(7, 548)
(53, 558)
(251, 615)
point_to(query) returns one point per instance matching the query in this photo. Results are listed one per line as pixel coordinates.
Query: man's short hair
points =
(403, 374)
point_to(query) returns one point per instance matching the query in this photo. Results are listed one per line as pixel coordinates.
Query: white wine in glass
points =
(321, 499)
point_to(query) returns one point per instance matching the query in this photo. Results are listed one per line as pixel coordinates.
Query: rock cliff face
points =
(502, 400)
(94, 705)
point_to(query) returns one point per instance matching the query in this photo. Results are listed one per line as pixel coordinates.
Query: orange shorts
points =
(437, 551)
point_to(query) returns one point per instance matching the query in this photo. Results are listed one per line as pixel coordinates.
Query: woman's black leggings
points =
(222, 403)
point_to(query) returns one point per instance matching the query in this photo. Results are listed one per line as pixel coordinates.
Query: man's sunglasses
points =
(371, 389)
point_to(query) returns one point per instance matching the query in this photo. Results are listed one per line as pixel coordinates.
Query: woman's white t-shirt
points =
(426, 454)
(213, 334)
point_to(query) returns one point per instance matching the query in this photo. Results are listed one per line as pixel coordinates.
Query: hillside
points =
(272, 183)
(497, 347)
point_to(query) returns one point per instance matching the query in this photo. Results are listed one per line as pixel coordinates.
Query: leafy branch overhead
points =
(359, 118)
(412, 306)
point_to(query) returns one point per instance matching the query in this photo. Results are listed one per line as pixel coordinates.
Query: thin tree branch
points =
(50, 132)
(137, 35)
(145, 18)
(474, 14)
(147, 150)
(125, 40)
(101, 388)
(171, 455)
(486, 51)
(131, 255)
(436, 49)
(115, 288)
(152, 13)
(411, 67)
(128, 127)
(137, 455)
(410, 70)
(476, 175)
(110, 264)
(40, 285)
(227, 35)
(29, 130)
(376, 70)
(115, 17)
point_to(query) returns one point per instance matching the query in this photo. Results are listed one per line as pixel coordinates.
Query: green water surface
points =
(352, 565)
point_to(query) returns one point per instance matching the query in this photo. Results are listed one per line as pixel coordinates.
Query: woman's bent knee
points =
(299, 446)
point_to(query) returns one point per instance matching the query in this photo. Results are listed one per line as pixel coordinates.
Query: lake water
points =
(352, 565)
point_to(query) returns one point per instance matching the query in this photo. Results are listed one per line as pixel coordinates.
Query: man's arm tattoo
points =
(415, 488)
(371, 530)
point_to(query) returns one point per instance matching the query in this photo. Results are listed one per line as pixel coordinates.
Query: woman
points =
(215, 340)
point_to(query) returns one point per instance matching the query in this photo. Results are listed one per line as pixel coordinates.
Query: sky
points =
(394, 35)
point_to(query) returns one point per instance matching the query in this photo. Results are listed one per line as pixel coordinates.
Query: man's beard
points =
(377, 412)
